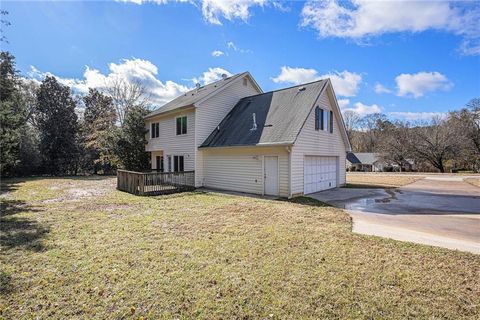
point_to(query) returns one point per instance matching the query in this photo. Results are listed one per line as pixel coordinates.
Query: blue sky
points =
(405, 59)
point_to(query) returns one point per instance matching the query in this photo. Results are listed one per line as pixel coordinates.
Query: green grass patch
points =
(87, 251)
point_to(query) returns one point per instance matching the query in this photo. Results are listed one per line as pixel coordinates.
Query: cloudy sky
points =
(406, 59)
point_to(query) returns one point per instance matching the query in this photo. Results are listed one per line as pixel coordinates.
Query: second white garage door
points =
(320, 173)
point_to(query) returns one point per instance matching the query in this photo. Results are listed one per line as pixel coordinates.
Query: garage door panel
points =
(320, 173)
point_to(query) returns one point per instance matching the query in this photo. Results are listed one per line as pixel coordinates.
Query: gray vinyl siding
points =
(317, 143)
(211, 112)
(241, 169)
(170, 143)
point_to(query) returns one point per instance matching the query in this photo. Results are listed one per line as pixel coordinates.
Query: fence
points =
(155, 183)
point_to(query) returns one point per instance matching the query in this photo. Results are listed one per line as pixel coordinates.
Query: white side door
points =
(270, 175)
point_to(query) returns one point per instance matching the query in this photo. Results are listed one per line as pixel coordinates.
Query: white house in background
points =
(285, 143)
(365, 161)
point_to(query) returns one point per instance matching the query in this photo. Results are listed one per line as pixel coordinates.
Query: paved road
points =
(438, 210)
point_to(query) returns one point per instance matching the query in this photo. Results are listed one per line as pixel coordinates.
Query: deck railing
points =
(155, 183)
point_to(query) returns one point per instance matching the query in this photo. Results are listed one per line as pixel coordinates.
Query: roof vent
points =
(197, 85)
(302, 88)
(254, 127)
(224, 76)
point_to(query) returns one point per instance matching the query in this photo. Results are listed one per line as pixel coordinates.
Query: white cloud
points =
(214, 10)
(296, 75)
(234, 47)
(211, 75)
(418, 115)
(138, 70)
(342, 103)
(345, 83)
(363, 109)
(379, 88)
(418, 84)
(360, 19)
(217, 53)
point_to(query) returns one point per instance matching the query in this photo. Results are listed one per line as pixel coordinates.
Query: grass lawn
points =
(379, 180)
(76, 248)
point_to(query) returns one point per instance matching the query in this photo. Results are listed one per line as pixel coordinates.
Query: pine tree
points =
(12, 114)
(99, 120)
(130, 145)
(57, 123)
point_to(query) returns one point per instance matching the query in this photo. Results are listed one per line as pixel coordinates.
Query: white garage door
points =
(320, 173)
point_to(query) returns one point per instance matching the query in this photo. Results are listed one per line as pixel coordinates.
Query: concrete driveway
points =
(439, 210)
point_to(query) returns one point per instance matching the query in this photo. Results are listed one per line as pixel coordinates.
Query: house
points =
(365, 161)
(373, 162)
(286, 142)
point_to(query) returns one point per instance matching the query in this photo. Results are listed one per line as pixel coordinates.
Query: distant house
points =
(235, 137)
(372, 162)
(365, 161)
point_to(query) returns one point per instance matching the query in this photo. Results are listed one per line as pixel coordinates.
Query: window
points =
(159, 163)
(181, 125)
(245, 82)
(331, 121)
(178, 163)
(325, 120)
(155, 130)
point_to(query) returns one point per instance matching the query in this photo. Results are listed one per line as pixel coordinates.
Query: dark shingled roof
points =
(352, 158)
(279, 116)
(189, 98)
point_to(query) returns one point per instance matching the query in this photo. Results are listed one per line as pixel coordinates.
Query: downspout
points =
(289, 150)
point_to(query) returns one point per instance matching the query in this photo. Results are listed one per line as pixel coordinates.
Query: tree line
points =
(439, 144)
(42, 131)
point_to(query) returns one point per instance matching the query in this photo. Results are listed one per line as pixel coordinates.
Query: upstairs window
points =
(181, 125)
(155, 130)
(331, 122)
(326, 120)
(318, 118)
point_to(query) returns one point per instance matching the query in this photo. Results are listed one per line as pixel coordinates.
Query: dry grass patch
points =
(209, 255)
(473, 181)
(374, 180)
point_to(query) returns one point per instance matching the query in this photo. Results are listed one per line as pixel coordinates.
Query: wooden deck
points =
(155, 183)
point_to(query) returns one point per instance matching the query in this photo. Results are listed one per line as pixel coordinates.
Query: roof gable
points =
(190, 98)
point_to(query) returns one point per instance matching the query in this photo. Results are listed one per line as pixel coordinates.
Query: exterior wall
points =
(170, 143)
(311, 142)
(241, 168)
(211, 112)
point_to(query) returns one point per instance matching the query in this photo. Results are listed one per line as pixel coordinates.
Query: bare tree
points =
(434, 143)
(126, 95)
(466, 126)
(395, 146)
(372, 126)
(28, 89)
(352, 122)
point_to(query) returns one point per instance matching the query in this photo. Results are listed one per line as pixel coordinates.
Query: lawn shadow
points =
(367, 186)
(5, 283)
(20, 232)
(307, 201)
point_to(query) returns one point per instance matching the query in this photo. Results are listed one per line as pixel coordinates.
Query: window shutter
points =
(321, 119)
(331, 121)
(152, 130)
(317, 118)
